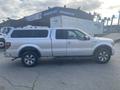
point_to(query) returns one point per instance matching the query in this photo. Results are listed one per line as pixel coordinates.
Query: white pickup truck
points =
(33, 43)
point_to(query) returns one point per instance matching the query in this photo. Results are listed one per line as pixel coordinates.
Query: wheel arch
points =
(29, 48)
(103, 46)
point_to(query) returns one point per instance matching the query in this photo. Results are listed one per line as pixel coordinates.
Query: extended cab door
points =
(77, 44)
(59, 42)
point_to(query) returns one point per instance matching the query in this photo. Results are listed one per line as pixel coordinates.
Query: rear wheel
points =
(2, 44)
(29, 59)
(102, 55)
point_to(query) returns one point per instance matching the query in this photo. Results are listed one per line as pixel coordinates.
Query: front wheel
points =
(102, 55)
(29, 59)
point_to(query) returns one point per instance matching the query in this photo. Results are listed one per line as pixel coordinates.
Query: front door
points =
(77, 45)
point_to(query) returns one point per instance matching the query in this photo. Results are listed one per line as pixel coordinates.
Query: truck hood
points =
(103, 39)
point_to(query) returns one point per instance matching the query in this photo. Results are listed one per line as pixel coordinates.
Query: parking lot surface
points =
(61, 74)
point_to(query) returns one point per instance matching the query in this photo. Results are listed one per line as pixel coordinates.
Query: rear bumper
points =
(6, 54)
(12, 54)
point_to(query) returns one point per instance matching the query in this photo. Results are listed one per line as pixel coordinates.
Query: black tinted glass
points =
(61, 34)
(29, 33)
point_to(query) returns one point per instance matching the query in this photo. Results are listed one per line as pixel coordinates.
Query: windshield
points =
(5, 30)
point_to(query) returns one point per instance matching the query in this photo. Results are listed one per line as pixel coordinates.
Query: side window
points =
(29, 34)
(71, 34)
(61, 34)
(80, 34)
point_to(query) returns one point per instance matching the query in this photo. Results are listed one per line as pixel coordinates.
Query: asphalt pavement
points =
(61, 74)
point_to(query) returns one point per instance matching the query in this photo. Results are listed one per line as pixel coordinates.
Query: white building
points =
(61, 17)
(86, 25)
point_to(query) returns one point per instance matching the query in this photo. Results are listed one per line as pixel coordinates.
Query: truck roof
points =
(39, 28)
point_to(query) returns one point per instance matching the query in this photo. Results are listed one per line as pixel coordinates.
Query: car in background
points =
(3, 32)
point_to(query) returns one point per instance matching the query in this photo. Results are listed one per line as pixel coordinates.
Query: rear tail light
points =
(7, 45)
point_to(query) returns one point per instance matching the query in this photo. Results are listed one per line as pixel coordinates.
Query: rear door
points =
(59, 42)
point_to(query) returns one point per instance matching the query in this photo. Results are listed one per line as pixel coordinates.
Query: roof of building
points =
(43, 18)
(60, 11)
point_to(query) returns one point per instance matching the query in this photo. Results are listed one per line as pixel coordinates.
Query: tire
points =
(29, 59)
(102, 55)
(2, 44)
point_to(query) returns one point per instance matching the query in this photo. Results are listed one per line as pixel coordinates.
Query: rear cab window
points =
(61, 34)
(29, 34)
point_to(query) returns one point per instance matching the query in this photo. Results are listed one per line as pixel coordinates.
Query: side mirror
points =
(86, 38)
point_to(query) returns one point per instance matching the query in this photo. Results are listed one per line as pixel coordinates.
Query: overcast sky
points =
(19, 8)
